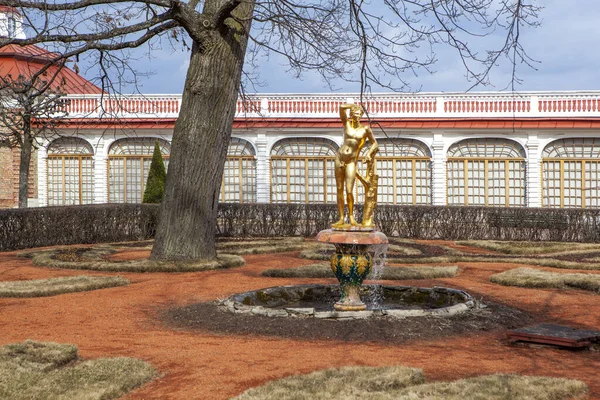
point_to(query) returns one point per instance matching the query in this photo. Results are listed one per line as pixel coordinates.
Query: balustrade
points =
(427, 105)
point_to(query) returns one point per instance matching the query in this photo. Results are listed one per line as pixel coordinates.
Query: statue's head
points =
(356, 111)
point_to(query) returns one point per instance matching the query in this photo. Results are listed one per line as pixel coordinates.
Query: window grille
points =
(128, 167)
(239, 175)
(70, 172)
(404, 169)
(486, 172)
(570, 173)
(302, 171)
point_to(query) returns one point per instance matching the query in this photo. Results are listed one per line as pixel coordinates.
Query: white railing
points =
(422, 105)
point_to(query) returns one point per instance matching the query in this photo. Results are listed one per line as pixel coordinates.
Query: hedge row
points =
(418, 222)
(50, 226)
(36, 227)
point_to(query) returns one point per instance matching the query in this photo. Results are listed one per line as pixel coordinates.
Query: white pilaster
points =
(263, 184)
(42, 174)
(438, 170)
(534, 171)
(100, 171)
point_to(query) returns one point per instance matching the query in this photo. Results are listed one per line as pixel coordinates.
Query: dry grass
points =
(530, 248)
(226, 243)
(317, 254)
(34, 370)
(406, 250)
(419, 272)
(319, 270)
(499, 387)
(387, 383)
(543, 262)
(275, 248)
(322, 270)
(324, 251)
(533, 278)
(344, 383)
(45, 259)
(55, 286)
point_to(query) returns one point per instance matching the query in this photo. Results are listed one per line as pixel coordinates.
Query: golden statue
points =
(370, 183)
(346, 171)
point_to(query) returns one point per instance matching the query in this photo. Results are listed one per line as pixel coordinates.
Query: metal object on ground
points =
(556, 335)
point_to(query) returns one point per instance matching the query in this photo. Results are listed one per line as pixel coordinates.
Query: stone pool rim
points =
(233, 305)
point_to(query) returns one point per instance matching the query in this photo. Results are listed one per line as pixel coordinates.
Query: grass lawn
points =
(322, 270)
(529, 248)
(54, 286)
(390, 383)
(48, 258)
(43, 370)
(533, 278)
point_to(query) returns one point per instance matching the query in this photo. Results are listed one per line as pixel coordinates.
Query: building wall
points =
(9, 178)
(263, 140)
(7, 183)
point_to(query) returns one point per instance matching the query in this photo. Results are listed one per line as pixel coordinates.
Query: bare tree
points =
(374, 43)
(30, 110)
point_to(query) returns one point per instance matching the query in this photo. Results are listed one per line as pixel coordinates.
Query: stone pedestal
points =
(351, 262)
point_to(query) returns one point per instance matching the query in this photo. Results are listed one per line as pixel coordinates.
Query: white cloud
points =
(565, 44)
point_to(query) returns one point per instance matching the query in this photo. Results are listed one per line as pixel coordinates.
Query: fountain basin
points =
(316, 301)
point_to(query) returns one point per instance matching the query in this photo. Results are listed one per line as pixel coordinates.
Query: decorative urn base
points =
(350, 269)
(351, 262)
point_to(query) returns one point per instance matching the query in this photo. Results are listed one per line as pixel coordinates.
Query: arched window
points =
(128, 166)
(486, 172)
(70, 172)
(404, 169)
(302, 171)
(239, 176)
(571, 173)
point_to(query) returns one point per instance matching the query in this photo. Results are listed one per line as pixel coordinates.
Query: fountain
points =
(351, 262)
(355, 246)
(353, 257)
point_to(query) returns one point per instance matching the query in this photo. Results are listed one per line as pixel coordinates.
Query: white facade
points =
(531, 120)
(11, 25)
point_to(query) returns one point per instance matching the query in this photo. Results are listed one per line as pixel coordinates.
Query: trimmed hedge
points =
(49, 226)
(36, 227)
(418, 222)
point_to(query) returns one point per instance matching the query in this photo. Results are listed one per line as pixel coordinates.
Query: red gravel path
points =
(196, 365)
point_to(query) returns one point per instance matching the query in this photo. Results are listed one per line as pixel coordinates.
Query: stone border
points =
(233, 305)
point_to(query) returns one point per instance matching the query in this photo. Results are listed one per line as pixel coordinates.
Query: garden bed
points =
(222, 361)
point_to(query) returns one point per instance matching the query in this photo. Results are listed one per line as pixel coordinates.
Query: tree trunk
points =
(26, 149)
(188, 213)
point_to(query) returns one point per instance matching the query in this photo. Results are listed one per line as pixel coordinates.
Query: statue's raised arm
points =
(344, 107)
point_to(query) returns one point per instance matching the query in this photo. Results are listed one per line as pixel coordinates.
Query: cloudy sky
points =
(566, 46)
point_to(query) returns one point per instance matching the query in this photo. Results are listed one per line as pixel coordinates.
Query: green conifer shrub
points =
(155, 185)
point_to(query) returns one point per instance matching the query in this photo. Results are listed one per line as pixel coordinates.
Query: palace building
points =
(525, 149)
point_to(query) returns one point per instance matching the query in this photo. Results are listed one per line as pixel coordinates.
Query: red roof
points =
(29, 53)
(6, 9)
(18, 60)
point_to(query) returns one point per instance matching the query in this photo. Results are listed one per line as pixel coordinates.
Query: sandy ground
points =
(201, 365)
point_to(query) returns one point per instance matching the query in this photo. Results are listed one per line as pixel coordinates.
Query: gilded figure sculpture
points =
(370, 184)
(346, 171)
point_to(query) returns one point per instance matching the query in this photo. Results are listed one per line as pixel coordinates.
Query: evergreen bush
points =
(155, 185)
